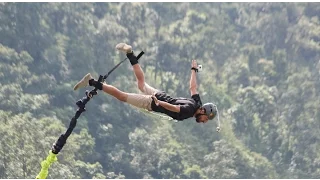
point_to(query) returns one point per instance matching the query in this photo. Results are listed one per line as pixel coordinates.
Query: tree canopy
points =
(260, 66)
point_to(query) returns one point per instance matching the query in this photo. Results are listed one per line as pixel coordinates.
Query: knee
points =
(141, 86)
(123, 97)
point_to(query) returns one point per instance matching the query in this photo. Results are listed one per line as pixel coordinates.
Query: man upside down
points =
(153, 99)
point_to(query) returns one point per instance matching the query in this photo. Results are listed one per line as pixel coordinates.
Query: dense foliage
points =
(261, 67)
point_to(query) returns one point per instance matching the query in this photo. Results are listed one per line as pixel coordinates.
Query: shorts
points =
(142, 100)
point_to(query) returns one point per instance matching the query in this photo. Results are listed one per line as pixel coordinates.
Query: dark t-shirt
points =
(188, 106)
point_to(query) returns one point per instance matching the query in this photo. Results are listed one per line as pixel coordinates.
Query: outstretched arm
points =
(193, 79)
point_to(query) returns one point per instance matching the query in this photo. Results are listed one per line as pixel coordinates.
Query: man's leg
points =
(88, 80)
(138, 100)
(142, 85)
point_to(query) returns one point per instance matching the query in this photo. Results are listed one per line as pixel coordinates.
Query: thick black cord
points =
(58, 145)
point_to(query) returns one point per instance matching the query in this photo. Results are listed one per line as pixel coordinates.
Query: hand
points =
(194, 64)
(156, 101)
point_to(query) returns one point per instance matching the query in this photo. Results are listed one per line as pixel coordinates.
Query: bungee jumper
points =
(152, 100)
(155, 100)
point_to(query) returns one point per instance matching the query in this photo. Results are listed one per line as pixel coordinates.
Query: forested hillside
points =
(260, 66)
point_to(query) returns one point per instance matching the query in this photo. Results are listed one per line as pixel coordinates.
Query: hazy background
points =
(261, 67)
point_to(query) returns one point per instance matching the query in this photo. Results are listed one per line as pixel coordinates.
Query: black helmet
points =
(211, 110)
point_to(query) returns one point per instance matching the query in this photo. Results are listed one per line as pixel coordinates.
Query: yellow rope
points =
(51, 158)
